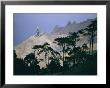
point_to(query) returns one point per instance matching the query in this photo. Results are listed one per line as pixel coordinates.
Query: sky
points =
(25, 24)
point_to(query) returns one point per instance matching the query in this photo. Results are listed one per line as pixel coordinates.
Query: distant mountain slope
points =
(71, 27)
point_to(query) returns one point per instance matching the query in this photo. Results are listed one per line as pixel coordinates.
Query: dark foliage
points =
(28, 66)
(54, 66)
(19, 66)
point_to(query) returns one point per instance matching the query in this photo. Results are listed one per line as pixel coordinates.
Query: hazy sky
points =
(25, 24)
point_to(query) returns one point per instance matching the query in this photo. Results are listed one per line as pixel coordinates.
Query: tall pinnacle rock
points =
(37, 31)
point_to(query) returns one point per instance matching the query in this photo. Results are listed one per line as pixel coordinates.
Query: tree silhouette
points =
(19, 65)
(93, 27)
(54, 65)
(74, 38)
(91, 32)
(84, 47)
(63, 43)
(49, 52)
(32, 63)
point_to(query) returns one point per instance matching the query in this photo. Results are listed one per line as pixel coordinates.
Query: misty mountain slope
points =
(71, 27)
(26, 46)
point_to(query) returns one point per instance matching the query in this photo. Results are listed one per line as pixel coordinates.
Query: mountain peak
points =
(71, 27)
